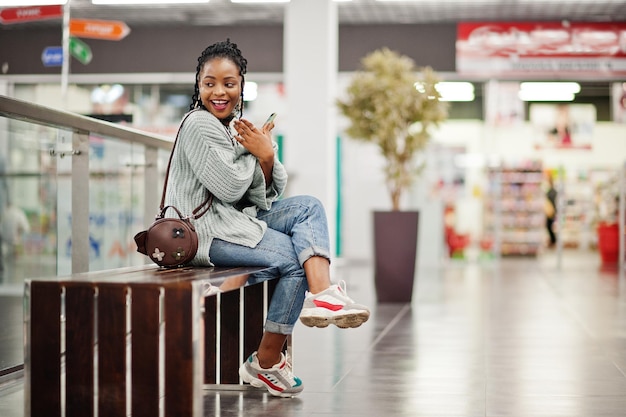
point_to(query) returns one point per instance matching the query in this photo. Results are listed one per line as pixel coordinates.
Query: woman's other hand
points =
(257, 141)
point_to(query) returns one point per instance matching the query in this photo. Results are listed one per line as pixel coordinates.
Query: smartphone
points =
(270, 119)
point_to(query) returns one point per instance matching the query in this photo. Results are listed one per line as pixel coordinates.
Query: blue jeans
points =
(297, 230)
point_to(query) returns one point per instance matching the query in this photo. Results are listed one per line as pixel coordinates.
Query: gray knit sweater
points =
(206, 159)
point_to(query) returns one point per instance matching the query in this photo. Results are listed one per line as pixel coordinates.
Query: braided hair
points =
(225, 49)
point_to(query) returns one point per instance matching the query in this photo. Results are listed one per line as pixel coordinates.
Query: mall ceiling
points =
(223, 12)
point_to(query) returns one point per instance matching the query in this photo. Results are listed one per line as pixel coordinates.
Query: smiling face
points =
(219, 85)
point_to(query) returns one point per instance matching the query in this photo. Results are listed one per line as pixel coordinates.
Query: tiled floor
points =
(515, 338)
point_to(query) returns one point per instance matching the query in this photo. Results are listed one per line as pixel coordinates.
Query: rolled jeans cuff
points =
(313, 251)
(278, 328)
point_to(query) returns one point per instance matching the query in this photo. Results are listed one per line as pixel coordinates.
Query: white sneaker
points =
(333, 306)
(279, 380)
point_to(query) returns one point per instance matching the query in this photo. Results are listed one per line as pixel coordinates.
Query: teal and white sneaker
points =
(333, 306)
(279, 380)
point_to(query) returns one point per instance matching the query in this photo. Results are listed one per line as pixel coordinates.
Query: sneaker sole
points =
(344, 322)
(255, 382)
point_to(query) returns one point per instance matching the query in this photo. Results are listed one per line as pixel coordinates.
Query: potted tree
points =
(395, 105)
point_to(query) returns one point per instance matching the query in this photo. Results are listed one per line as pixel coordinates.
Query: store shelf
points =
(514, 210)
(575, 213)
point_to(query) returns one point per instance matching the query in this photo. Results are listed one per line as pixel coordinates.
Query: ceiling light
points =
(433, 1)
(455, 90)
(131, 2)
(260, 1)
(250, 91)
(548, 91)
(12, 3)
(546, 96)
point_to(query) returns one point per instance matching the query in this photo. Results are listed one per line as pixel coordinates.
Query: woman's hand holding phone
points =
(269, 123)
(257, 141)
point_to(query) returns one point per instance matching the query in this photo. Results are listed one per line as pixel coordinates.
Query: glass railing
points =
(73, 192)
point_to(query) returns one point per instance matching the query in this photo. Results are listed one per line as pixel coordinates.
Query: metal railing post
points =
(80, 202)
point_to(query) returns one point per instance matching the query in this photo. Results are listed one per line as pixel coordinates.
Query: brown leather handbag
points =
(171, 242)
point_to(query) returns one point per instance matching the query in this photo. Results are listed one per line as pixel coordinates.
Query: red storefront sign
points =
(28, 14)
(502, 48)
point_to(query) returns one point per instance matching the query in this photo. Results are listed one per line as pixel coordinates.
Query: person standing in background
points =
(13, 226)
(551, 211)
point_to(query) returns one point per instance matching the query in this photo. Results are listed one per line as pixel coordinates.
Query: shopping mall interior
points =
(500, 319)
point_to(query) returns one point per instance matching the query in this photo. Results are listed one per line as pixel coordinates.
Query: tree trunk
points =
(395, 199)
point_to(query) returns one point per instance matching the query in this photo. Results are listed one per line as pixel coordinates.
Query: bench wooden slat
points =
(229, 337)
(79, 354)
(145, 319)
(180, 355)
(253, 312)
(112, 350)
(210, 337)
(44, 343)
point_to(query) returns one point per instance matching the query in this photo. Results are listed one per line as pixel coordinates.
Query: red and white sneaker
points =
(279, 380)
(333, 306)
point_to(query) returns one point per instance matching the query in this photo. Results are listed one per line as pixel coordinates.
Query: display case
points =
(514, 209)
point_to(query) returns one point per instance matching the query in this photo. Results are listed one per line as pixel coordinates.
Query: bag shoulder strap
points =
(197, 213)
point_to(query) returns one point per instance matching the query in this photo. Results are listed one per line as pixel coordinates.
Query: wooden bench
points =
(137, 340)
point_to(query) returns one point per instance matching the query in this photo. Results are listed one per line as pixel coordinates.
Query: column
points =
(310, 71)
